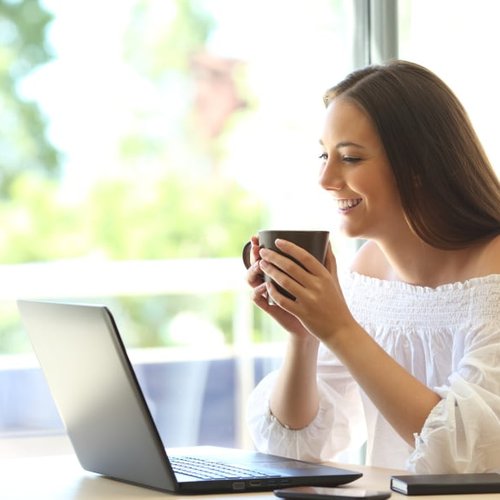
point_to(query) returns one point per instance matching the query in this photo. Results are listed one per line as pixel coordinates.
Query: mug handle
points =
(245, 254)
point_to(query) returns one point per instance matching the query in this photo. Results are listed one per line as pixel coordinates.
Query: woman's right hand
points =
(255, 278)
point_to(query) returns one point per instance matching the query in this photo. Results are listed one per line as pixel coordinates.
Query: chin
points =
(350, 232)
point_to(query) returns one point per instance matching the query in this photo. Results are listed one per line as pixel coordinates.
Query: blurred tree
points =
(23, 143)
(172, 218)
(165, 218)
(162, 36)
(198, 90)
(165, 201)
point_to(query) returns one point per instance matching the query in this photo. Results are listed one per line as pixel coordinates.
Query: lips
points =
(347, 204)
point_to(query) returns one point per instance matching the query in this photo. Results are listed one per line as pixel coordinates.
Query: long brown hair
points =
(449, 190)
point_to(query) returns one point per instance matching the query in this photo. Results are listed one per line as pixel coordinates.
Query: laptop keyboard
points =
(208, 469)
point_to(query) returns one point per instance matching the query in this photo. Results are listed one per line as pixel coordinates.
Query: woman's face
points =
(356, 172)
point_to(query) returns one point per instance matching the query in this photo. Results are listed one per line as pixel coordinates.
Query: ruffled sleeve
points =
(339, 425)
(448, 338)
(462, 433)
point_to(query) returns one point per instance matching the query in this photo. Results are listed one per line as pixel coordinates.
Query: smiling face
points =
(356, 172)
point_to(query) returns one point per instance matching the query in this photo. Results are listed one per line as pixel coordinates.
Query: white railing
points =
(80, 279)
(96, 277)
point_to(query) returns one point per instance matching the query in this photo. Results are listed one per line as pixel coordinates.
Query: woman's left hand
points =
(319, 304)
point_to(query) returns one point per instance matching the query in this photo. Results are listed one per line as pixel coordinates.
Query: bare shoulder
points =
(370, 261)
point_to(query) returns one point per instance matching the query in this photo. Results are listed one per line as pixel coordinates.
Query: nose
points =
(331, 178)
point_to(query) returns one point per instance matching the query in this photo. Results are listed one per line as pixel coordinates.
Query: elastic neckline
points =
(401, 285)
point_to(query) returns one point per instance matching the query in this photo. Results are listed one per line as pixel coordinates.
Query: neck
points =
(411, 260)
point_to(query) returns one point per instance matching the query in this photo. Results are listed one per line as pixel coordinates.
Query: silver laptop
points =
(109, 424)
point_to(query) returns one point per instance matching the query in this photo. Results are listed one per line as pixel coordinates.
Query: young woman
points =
(403, 350)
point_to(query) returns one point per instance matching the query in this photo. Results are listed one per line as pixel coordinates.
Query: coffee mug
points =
(315, 242)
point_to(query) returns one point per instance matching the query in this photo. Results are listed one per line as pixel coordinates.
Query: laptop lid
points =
(107, 419)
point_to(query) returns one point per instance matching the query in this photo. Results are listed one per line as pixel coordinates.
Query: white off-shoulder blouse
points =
(447, 337)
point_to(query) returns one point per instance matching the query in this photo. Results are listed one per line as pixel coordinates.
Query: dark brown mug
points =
(315, 242)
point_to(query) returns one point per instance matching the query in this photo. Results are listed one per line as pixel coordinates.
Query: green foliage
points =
(172, 218)
(189, 211)
(126, 219)
(23, 143)
(36, 224)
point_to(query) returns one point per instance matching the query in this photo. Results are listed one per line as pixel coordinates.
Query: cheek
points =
(383, 182)
(365, 185)
(379, 192)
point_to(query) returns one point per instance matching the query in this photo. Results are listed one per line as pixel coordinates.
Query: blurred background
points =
(142, 142)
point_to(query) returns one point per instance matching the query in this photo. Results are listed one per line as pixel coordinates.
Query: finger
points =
(250, 251)
(255, 276)
(281, 277)
(306, 259)
(260, 297)
(279, 299)
(255, 248)
(330, 260)
(271, 262)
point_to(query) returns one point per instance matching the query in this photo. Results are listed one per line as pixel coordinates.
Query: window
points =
(458, 40)
(170, 132)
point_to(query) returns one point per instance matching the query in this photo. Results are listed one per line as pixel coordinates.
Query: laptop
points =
(108, 422)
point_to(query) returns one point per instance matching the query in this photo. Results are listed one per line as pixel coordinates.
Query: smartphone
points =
(324, 493)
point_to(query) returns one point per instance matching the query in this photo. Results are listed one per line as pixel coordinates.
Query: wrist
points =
(304, 347)
(345, 337)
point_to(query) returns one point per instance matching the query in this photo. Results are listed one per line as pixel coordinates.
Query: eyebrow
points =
(344, 144)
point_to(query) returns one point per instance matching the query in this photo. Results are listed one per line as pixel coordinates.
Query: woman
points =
(404, 349)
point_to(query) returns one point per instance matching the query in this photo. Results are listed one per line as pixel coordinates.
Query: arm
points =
(294, 401)
(403, 400)
(338, 426)
(320, 307)
(316, 406)
(462, 433)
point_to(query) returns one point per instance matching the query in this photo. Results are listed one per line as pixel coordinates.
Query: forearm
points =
(404, 401)
(294, 401)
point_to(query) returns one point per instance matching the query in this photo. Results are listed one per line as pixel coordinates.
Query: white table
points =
(60, 477)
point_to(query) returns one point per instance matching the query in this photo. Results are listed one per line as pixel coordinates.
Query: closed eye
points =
(350, 159)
